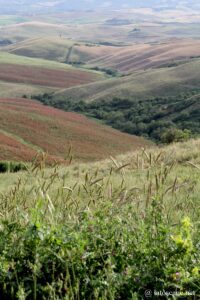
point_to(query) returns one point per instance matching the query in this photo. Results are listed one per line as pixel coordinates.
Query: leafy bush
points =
(4, 167)
(175, 135)
(98, 257)
(13, 167)
(110, 72)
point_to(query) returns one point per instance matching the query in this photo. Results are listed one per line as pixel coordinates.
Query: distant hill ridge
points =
(46, 5)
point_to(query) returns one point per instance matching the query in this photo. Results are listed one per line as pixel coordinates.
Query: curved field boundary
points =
(20, 140)
(12, 149)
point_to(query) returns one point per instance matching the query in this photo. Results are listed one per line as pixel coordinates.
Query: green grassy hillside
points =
(59, 49)
(8, 58)
(140, 85)
(45, 48)
(11, 89)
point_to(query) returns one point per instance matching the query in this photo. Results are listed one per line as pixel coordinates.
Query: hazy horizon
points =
(29, 6)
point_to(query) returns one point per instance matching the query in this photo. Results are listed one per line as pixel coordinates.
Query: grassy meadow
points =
(45, 48)
(8, 58)
(11, 89)
(114, 229)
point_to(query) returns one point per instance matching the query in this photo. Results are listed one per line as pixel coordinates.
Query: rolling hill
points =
(28, 126)
(150, 103)
(59, 49)
(22, 75)
(144, 56)
(165, 81)
(46, 48)
(140, 26)
(19, 31)
(124, 59)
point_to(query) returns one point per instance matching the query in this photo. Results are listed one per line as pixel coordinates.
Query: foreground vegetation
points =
(109, 230)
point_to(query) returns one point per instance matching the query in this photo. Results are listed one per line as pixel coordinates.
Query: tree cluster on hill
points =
(110, 72)
(162, 119)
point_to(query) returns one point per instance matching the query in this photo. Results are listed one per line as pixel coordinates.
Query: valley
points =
(99, 149)
(43, 61)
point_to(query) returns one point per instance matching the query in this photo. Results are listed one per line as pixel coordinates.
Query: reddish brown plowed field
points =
(54, 130)
(44, 76)
(11, 148)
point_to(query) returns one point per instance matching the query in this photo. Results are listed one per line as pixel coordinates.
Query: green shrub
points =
(13, 167)
(102, 255)
(4, 166)
(110, 72)
(175, 135)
